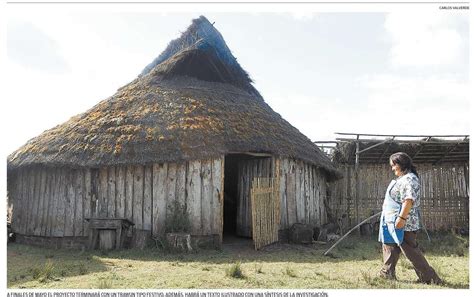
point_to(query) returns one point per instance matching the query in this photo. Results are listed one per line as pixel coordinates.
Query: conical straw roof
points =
(192, 102)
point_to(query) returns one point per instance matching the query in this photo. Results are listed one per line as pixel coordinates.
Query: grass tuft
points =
(43, 273)
(290, 271)
(105, 284)
(235, 271)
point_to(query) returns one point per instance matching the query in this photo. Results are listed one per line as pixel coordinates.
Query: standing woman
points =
(400, 221)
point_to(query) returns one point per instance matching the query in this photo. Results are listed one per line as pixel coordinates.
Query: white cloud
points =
(421, 39)
(412, 105)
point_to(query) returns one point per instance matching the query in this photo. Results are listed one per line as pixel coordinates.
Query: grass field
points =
(354, 264)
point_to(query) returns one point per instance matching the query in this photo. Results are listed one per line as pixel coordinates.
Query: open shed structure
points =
(442, 162)
(186, 139)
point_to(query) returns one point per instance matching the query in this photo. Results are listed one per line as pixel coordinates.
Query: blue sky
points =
(387, 72)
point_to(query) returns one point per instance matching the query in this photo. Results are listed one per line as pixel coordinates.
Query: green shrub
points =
(177, 218)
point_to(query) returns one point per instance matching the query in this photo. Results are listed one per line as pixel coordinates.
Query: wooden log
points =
(129, 192)
(138, 176)
(120, 192)
(87, 199)
(102, 192)
(111, 182)
(70, 204)
(79, 215)
(216, 205)
(193, 186)
(159, 198)
(206, 196)
(147, 198)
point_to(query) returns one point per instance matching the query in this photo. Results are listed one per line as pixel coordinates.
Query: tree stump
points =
(180, 242)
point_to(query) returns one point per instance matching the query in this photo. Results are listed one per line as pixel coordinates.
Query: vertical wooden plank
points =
(102, 192)
(159, 198)
(311, 186)
(138, 197)
(181, 183)
(170, 186)
(111, 192)
(307, 195)
(46, 199)
(147, 198)
(19, 203)
(206, 196)
(194, 196)
(291, 193)
(61, 215)
(79, 215)
(129, 192)
(282, 184)
(221, 196)
(70, 204)
(52, 209)
(216, 207)
(87, 199)
(120, 192)
(30, 201)
(39, 193)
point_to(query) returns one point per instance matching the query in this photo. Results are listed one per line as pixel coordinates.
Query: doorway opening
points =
(239, 170)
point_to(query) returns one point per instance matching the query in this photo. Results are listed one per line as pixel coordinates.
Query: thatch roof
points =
(193, 102)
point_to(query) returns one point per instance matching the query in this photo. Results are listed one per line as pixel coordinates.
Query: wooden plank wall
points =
(444, 192)
(54, 202)
(302, 192)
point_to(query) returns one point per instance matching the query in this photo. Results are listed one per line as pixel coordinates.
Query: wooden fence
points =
(444, 193)
(265, 211)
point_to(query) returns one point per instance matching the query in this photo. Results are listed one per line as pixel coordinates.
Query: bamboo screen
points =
(265, 201)
(444, 193)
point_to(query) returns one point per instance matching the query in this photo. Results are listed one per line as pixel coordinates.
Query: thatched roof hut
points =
(193, 102)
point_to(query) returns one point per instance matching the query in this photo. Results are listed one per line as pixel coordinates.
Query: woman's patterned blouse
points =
(408, 187)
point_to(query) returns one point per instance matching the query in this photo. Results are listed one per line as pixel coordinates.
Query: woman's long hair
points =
(405, 162)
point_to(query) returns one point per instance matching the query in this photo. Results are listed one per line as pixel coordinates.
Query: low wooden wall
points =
(53, 202)
(303, 189)
(444, 193)
(302, 192)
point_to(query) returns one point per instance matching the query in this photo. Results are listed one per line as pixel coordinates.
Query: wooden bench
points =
(107, 228)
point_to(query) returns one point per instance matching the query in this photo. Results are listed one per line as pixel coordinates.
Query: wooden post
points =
(356, 202)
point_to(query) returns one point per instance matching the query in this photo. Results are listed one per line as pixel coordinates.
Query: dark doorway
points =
(231, 182)
(234, 167)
